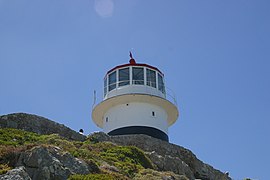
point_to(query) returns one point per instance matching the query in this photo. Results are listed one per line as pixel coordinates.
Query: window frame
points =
(161, 85)
(112, 86)
(105, 85)
(125, 82)
(138, 81)
(149, 79)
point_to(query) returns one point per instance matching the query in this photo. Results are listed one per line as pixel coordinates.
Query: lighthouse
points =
(134, 102)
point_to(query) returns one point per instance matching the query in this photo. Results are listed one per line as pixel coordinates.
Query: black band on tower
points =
(150, 131)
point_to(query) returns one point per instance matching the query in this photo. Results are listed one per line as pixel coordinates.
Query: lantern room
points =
(134, 78)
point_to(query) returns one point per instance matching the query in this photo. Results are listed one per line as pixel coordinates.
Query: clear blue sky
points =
(214, 54)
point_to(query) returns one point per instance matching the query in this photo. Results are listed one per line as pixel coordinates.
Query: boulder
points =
(39, 125)
(18, 173)
(51, 163)
(169, 163)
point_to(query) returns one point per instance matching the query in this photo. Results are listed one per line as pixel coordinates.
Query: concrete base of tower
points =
(150, 131)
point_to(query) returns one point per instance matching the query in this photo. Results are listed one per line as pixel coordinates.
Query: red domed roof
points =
(132, 62)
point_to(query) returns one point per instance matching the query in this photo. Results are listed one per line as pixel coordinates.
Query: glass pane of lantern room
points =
(137, 75)
(105, 86)
(151, 78)
(161, 84)
(112, 81)
(123, 77)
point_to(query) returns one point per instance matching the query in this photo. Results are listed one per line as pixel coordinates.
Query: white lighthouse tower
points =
(134, 102)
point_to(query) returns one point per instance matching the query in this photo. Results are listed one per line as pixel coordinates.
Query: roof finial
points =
(131, 61)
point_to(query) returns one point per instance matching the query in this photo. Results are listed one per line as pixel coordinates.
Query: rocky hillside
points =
(33, 147)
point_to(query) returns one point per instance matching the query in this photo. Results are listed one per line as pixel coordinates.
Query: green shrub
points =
(92, 139)
(55, 139)
(82, 153)
(151, 174)
(98, 147)
(91, 151)
(4, 168)
(128, 159)
(15, 137)
(130, 154)
(111, 176)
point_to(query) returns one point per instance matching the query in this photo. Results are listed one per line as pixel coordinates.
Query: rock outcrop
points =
(39, 125)
(51, 163)
(168, 163)
(166, 156)
(48, 161)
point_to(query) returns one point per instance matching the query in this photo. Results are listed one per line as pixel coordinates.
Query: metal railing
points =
(121, 84)
(170, 96)
(167, 92)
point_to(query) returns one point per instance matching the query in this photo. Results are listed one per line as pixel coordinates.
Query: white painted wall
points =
(135, 114)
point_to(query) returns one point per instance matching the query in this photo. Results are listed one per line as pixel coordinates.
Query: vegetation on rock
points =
(4, 168)
(105, 176)
(33, 147)
(124, 161)
(151, 174)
